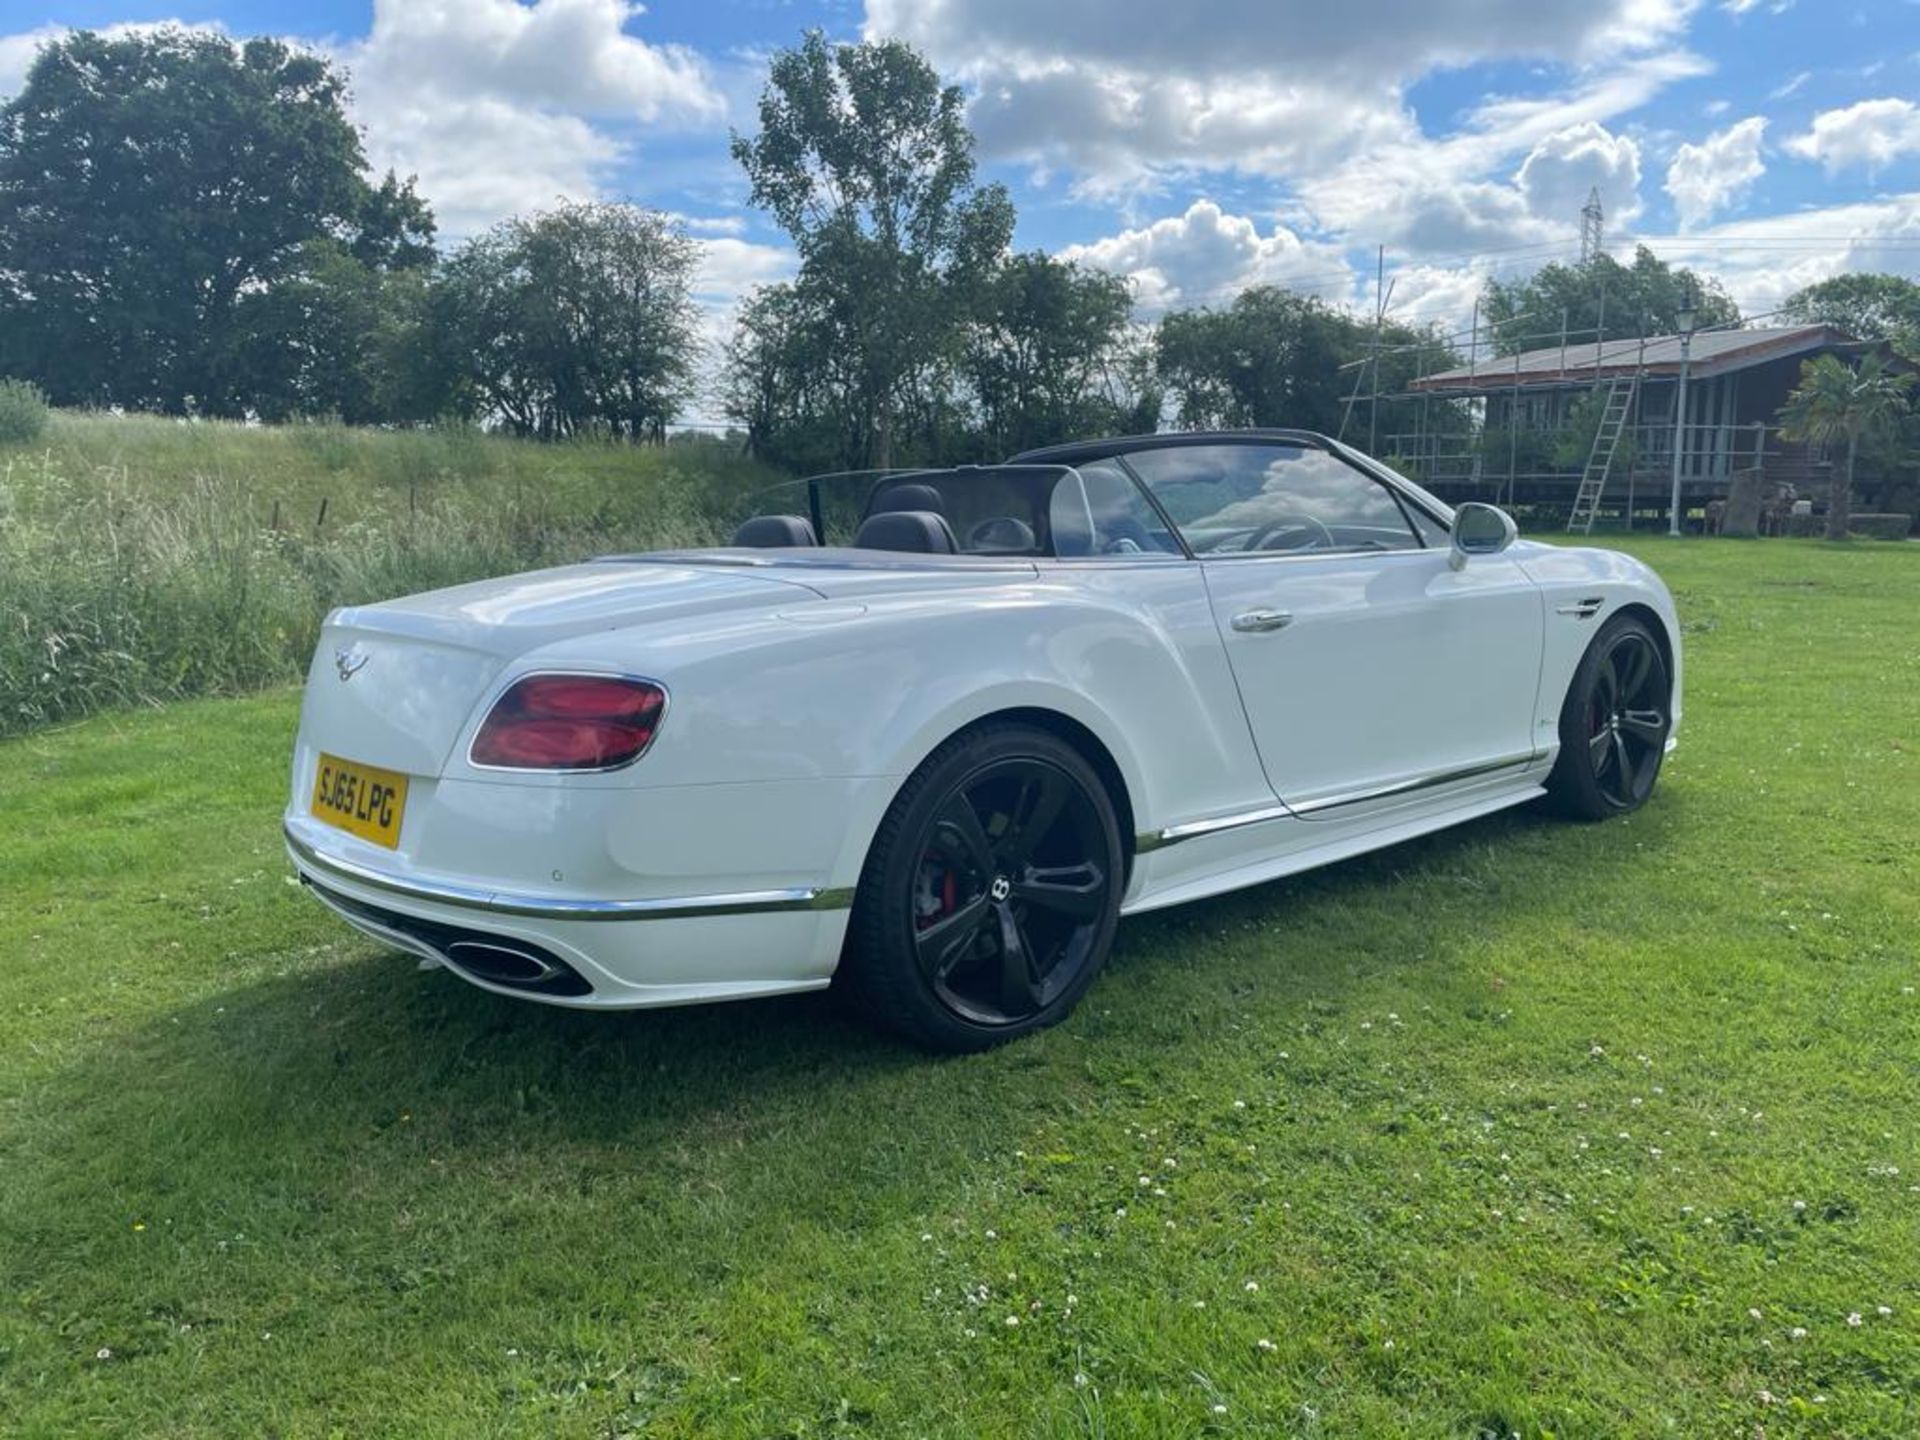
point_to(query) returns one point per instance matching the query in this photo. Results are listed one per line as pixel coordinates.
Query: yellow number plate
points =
(363, 800)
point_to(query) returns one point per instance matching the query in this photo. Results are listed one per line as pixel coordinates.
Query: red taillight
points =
(569, 722)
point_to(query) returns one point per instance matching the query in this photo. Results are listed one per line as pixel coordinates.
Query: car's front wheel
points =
(1614, 724)
(991, 894)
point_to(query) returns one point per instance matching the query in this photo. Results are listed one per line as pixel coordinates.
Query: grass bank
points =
(1526, 1129)
(144, 559)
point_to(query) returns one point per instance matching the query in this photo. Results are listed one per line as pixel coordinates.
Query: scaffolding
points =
(1524, 439)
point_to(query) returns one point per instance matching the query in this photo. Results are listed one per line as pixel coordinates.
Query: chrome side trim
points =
(544, 907)
(1418, 782)
(1174, 834)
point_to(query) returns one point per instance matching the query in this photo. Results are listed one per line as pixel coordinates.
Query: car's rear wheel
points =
(991, 894)
(1614, 724)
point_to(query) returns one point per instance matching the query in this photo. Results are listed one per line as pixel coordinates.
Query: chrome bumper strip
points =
(548, 907)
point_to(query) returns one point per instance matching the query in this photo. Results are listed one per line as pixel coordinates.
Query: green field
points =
(144, 559)
(1526, 1129)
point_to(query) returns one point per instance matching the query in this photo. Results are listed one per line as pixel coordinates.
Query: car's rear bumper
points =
(660, 950)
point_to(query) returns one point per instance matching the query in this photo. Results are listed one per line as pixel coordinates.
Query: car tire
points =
(1614, 724)
(991, 893)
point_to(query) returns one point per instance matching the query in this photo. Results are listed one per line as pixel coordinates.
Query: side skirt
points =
(1355, 842)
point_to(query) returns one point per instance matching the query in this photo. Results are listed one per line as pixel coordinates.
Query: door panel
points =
(1370, 673)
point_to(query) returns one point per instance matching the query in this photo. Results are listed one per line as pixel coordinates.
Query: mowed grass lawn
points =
(1526, 1129)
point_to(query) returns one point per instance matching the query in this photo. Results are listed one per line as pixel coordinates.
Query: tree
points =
(1046, 357)
(580, 319)
(342, 338)
(1834, 403)
(788, 383)
(1275, 358)
(155, 190)
(1600, 299)
(865, 160)
(1869, 307)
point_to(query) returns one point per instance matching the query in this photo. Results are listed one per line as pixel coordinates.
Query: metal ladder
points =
(1606, 440)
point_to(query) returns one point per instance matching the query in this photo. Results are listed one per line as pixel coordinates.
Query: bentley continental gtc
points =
(935, 764)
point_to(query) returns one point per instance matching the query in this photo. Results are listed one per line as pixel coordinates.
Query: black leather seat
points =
(907, 495)
(771, 532)
(920, 532)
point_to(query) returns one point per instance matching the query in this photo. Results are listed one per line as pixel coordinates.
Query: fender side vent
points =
(1583, 609)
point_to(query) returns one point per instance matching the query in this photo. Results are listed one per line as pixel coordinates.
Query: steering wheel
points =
(1318, 535)
(1001, 534)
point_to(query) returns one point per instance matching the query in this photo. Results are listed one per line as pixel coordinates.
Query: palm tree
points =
(1836, 401)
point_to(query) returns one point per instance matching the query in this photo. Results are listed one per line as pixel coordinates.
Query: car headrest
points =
(909, 495)
(769, 532)
(919, 531)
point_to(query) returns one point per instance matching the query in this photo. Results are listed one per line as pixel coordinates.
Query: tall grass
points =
(143, 560)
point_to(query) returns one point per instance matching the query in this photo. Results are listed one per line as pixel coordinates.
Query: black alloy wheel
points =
(991, 896)
(1614, 724)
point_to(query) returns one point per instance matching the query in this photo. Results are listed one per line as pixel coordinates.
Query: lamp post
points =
(1684, 322)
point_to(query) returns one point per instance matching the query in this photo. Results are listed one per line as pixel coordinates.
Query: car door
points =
(1369, 667)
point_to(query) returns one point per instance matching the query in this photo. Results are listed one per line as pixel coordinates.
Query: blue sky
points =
(1197, 149)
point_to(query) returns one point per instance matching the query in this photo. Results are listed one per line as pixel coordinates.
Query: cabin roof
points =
(1713, 352)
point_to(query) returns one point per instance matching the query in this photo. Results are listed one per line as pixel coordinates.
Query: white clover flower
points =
(1079, 1379)
(1251, 1286)
(103, 1353)
(1883, 1310)
(1753, 1313)
(1219, 1409)
(1798, 1332)
(1013, 1321)
(1265, 1345)
(1854, 1319)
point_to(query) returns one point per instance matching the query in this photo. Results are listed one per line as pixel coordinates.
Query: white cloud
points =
(1207, 256)
(1121, 93)
(1565, 167)
(1765, 260)
(493, 103)
(1114, 131)
(574, 55)
(1791, 86)
(1706, 178)
(1211, 37)
(1870, 134)
(1434, 196)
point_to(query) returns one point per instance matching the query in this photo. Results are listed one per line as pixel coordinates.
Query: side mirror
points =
(1480, 530)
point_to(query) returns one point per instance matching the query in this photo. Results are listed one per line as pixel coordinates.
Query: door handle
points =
(1254, 622)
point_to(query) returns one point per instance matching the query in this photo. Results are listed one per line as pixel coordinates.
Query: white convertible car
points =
(938, 764)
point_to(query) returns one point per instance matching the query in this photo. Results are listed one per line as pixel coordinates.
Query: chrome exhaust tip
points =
(503, 964)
